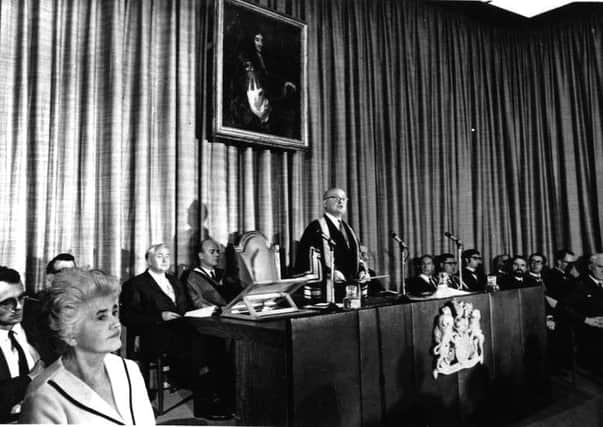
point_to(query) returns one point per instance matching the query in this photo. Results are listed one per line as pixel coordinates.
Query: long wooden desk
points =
(374, 366)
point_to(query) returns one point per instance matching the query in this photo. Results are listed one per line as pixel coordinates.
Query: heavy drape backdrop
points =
(431, 121)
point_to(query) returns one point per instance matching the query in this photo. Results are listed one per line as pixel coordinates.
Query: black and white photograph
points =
(301, 213)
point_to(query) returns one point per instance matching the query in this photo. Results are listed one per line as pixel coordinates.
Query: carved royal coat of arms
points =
(459, 340)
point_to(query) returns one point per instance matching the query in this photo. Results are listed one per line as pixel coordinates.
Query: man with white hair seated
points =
(585, 306)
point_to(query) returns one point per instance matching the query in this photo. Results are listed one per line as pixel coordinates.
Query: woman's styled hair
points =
(70, 290)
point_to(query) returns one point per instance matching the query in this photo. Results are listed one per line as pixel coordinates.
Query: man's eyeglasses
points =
(451, 262)
(339, 199)
(11, 304)
(476, 257)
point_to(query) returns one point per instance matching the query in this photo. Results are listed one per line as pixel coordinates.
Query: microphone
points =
(327, 238)
(452, 236)
(399, 240)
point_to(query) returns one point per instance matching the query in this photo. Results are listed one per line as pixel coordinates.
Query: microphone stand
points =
(403, 255)
(459, 252)
(330, 288)
(330, 285)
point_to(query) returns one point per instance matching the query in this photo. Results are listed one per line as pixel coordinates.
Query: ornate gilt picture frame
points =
(261, 76)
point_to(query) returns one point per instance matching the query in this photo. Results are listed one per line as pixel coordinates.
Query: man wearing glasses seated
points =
(473, 276)
(346, 258)
(19, 361)
(448, 265)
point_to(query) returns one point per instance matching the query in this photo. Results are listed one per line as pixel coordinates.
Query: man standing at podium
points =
(331, 230)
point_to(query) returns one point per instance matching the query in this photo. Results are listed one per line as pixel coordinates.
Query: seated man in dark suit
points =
(150, 305)
(536, 268)
(500, 267)
(561, 279)
(584, 306)
(206, 285)
(472, 274)
(150, 300)
(424, 282)
(19, 360)
(448, 264)
(346, 257)
(519, 271)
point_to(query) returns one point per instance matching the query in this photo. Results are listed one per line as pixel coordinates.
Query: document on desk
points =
(202, 312)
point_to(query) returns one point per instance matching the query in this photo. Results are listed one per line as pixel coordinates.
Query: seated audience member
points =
(87, 384)
(584, 306)
(63, 261)
(346, 258)
(449, 265)
(425, 282)
(561, 279)
(500, 267)
(36, 314)
(374, 286)
(150, 301)
(206, 284)
(19, 360)
(473, 276)
(536, 267)
(150, 304)
(519, 271)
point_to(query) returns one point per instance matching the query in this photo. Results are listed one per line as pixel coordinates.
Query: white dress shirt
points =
(336, 221)
(11, 355)
(164, 284)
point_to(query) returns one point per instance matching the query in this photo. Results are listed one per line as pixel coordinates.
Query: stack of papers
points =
(202, 312)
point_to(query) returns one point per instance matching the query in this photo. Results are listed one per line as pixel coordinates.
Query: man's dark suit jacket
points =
(346, 257)
(204, 291)
(471, 282)
(12, 390)
(141, 304)
(585, 301)
(558, 284)
(418, 286)
(511, 282)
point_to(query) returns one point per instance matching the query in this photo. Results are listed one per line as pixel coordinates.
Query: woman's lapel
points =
(82, 393)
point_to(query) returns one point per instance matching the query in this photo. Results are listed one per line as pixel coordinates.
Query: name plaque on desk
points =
(459, 340)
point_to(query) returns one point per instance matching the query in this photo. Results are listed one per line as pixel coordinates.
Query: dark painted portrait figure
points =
(262, 72)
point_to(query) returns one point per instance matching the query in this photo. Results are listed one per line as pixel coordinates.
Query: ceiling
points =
(521, 8)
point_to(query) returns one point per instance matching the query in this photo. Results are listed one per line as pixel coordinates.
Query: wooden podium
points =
(374, 366)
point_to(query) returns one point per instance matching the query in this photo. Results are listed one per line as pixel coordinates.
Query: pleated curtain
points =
(430, 120)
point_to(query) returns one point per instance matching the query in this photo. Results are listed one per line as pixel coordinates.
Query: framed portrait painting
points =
(261, 76)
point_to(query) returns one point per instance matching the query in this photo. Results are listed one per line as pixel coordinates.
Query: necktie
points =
(213, 275)
(23, 368)
(433, 282)
(344, 234)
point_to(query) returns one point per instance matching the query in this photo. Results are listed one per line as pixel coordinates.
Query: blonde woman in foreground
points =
(87, 384)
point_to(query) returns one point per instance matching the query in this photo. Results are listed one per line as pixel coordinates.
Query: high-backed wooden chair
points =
(259, 261)
(266, 293)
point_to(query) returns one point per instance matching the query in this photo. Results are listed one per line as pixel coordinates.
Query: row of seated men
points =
(509, 272)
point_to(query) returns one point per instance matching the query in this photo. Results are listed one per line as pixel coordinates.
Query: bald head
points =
(335, 202)
(595, 266)
(209, 253)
